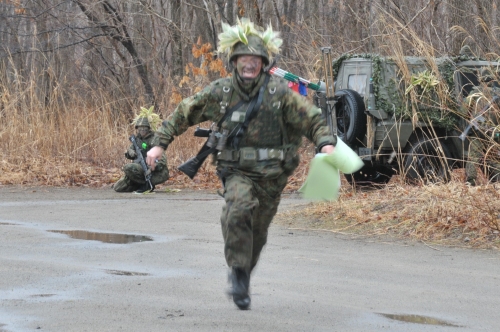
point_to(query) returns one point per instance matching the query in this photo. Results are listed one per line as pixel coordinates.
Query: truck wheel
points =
(426, 159)
(351, 117)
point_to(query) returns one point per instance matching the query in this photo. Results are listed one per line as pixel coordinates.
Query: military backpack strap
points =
(224, 110)
(204, 151)
(225, 98)
(251, 112)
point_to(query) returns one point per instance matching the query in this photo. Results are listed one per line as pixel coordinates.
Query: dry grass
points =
(76, 140)
(78, 146)
(446, 214)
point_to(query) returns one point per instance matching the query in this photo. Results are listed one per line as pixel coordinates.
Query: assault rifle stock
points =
(191, 167)
(142, 162)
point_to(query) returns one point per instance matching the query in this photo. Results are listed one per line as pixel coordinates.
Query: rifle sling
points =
(204, 153)
(251, 113)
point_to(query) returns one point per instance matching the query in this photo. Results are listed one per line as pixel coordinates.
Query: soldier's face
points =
(142, 130)
(248, 66)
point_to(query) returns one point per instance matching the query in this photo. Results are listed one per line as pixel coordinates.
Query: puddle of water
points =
(105, 237)
(419, 319)
(126, 273)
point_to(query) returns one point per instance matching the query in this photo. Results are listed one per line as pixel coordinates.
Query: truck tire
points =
(426, 159)
(351, 117)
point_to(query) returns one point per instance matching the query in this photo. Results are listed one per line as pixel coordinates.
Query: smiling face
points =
(248, 66)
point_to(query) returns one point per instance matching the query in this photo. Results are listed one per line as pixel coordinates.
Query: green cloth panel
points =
(323, 180)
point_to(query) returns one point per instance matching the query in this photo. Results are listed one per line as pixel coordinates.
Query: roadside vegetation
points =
(72, 134)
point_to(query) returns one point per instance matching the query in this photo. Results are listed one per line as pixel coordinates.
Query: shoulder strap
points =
(205, 151)
(225, 97)
(251, 113)
(229, 111)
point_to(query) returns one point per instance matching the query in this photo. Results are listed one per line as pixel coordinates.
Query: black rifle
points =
(190, 167)
(142, 162)
(477, 120)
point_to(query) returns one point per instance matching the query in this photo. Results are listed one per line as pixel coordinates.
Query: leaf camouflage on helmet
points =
(147, 117)
(246, 38)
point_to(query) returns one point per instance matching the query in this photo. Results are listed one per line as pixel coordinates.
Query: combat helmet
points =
(147, 117)
(245, 38)
(142, 122)
(255, 46)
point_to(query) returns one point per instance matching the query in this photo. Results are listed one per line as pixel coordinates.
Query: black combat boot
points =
(240, 280)
(144, 188)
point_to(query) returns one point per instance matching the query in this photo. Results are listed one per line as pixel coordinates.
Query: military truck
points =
(402, 115)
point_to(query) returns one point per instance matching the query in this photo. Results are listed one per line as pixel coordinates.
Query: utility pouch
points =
(238, 117)
(248, 157)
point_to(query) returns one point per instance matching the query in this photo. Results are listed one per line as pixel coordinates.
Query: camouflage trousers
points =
(479, 156)
(249, 210)
(134, 177)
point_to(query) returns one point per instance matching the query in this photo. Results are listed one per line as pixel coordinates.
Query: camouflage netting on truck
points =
(415, 87)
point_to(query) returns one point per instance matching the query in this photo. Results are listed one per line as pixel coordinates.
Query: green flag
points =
(323, 180)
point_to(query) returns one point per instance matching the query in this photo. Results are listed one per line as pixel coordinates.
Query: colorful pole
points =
(293, 78)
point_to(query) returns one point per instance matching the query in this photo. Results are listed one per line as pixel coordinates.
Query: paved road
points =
(306, 281)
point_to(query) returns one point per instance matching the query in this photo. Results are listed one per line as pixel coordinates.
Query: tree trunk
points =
(115, 28)
(176, 14)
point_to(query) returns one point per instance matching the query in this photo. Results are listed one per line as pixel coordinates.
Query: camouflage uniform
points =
(252, 192)
(254, 167)
(483, 144)
(134, 177)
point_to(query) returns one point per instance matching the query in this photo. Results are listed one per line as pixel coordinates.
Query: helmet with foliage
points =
(245, 38)
(147, 117)
(255, 46)
(142, 122)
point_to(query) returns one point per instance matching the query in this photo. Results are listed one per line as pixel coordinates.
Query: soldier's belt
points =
(251, 153)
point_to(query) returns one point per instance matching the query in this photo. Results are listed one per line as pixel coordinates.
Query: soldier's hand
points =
(131, 153)
(153, 156)
(327, 149)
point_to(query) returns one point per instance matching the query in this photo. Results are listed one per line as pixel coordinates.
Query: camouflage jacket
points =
(145, 144)
(280, 123)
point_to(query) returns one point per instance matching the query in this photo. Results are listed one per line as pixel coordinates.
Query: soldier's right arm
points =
(202, 106)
